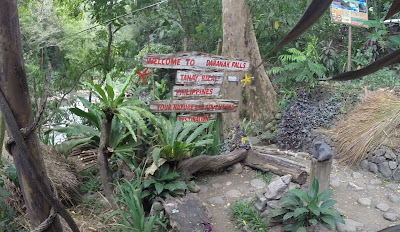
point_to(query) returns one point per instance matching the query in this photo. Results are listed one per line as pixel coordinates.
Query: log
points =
(210, 163)
(273, 151)
(276, 165)
(321, 170)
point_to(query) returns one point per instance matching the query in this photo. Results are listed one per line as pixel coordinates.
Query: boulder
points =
(349, 226)
(382, 207)
(391, 216)
(278, 188)
(396, 175)
(385, 169)
(392, 165)
(373, 168)
(237, 168)
(364, 201)
(364, 165)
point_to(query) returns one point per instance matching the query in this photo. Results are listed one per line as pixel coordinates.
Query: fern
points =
(299, 67)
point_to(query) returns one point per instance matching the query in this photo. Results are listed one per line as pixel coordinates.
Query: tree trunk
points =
(102, 158)
(2, 134)
(277, 165)
(239, 42)
(14, 86)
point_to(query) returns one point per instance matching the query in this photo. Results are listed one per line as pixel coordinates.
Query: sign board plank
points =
(196, 118)
(199, 78)
(350, 12)
(198, 106)
(194, 61)
(179, 92)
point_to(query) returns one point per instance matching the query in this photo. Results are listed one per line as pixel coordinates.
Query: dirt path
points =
(220, 190)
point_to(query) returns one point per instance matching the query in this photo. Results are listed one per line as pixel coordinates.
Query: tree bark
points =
(240, 42)
(277, 165)
(14, 86)
(2, 134)
(185, 25)
(203, 163)
(102, 157)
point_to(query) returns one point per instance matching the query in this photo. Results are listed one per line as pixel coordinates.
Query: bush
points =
(301, 116)
(307, 208)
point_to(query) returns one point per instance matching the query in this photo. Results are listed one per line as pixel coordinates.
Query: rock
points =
(258, 184)
(217, 185)
(391, 216)
(203, 189)
(341, 212)
(396, 175)
(322, 151)
(384, 169)
(274, 204)
(194, 188)
(318, 228)
(376, 182)
(268, 126)
(157, 206)
(394, 198)
(349, 226)
(364, 165)
(373, 168)
(378, 159)
(354, 186)
(233, 194)
(294, 186)
(379, 152)
(216, 201)
(392, 186)
(335, 183)
(246, 228)
(228, 183)
(356, 175)
(382, 207)
(278, 116)
(261, 204)
(278, 188)
(371, 187)
(364, 201)
(389, 154)
(237, 168)
(392, 165)
(277, 228)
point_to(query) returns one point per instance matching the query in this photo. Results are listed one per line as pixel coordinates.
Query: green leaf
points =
(325, 195)
(159, 187)
(302, 229)
(299, 211)
(89, 116)
(277, 212)
(313, 192)
(300, 194)
(169, 176)
(156, 155)
(148, 182)
(330, 212)
(314, 209)
(330, 221)
(327, 204)
(287, 216)
(313, 221)
(4, 193)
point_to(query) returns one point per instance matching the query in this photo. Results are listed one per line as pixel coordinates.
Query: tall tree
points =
(258, 98)
(17, 111)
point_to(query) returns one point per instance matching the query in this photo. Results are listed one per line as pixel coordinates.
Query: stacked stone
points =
(383, 160)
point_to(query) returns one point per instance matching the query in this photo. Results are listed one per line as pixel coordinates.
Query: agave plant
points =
(178, 139)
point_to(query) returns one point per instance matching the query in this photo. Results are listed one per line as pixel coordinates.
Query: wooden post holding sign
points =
(321, 170)
(198, 87)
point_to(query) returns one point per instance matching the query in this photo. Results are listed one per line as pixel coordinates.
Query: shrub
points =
(244, 215)
(307, 209)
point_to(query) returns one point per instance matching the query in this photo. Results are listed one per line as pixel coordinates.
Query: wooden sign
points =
(194, 61)
(196, 118)
(199, 78)
(198, 106)
(179, 92)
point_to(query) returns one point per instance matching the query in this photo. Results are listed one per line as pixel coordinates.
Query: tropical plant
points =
(302, 209)
(299, 67)
(163, 184)
(130, 208)
(178, 139)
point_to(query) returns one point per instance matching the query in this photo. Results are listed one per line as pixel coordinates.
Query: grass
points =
(89, 180)
(244, 215)
(369, 125)
(94, 205)
(265, 176)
